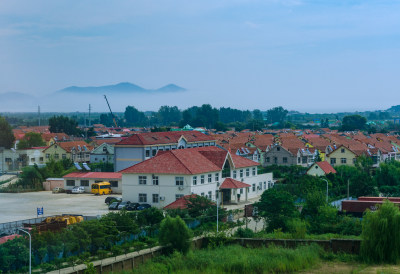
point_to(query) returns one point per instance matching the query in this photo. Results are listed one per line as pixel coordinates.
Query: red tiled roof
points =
(9, 237)
(232, 183)
(188, 161)
(153, 138)
(181, 203)
(326, 167)
(68, 146)
(94, 175)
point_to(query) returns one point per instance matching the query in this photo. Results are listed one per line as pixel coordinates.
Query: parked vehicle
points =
(110, 198)
(58, 190)
(113, 206)
(143, 206)
(132, 206)
(101, 188)
(78, 189)
(123, 204)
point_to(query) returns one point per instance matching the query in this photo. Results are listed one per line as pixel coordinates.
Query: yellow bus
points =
(101, 188)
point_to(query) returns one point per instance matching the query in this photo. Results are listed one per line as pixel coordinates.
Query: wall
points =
(49, 184)
(273, 152)
(338, 154)
(125, 157)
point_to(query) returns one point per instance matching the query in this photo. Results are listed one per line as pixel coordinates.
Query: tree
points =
(168, 115)
(353, 122)
(277, 207)
(206, 116)
(6, 135)
(62, 124)
(276, 114)
(31, 139)
(257, 115)
(134, 117)
(175, 235)
(381, 234)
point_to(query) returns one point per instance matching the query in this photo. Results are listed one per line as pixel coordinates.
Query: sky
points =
(305, 55)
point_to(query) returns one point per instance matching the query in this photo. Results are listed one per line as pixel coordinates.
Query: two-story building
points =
(102, 154)
(206, 171)
(341, 156)
(278, 155)
(143, 146)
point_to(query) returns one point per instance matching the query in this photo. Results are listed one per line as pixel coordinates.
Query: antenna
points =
(78, 167)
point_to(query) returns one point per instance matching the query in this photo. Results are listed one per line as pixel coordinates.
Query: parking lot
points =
(19, 206)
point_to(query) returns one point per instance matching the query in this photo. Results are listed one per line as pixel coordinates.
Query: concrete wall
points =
(125, 157)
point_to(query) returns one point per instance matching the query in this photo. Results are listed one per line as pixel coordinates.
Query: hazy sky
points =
(314, 56)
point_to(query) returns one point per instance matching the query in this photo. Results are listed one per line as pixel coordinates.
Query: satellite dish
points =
(78, 167)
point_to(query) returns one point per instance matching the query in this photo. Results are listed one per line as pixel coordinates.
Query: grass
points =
(286, 235)
(236, 259)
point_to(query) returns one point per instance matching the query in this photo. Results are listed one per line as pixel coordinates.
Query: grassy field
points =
(236, 259)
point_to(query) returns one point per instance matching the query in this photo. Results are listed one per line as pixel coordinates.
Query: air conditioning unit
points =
(180, 188)
(162, 198)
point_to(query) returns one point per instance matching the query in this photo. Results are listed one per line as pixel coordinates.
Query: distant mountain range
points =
(124, 87)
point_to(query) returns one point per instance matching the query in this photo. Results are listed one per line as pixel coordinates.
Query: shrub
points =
(381, 234)
(244, 233)
(175, 234)
(297, 228)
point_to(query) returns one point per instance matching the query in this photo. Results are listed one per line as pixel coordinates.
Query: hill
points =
(124, 87)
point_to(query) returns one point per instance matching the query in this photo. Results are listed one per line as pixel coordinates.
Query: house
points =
(35, 155)
(51, 138)
(278, 155)
(56, 152)
(142, 146)
(341, 156)
(86, 179)
(77, 151)
(11, 159)
(102, 154)
(320, 169)
(206, 171)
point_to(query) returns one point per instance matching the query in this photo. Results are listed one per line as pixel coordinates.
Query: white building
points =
(205, 171)
(86, 179)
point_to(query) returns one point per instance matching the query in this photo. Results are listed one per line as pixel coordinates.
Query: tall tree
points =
(6, 135)
(134, 117)
(63, 124)
(31, 139)
(168, 115)
(276, 114)
(353, 122)
(206, 116)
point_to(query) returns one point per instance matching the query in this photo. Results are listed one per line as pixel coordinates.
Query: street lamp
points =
(326, 189)
(30, 249)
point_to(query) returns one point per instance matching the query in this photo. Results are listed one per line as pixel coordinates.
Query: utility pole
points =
(30, 249)
(39, 115)
(89, 114)
(348, 192)
(217, 209)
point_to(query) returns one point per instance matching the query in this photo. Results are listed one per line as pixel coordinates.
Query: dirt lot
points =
(21, 206)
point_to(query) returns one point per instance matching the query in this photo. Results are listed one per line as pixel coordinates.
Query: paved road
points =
(19, 206)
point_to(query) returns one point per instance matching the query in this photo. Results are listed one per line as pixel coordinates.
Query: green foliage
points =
(236, 259)
(297, 228)
(381, 234)
(167, 115)
(90, 268)
(276, 115)
(63, 124)
(244, 233)
(14, 254)
(31, 139)
(175, 234)
(277, 207)
(6, 135)
(353, 122)
(134, 117)
(102, 167)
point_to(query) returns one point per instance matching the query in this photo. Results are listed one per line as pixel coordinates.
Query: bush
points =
(297, 228)
(381, 234)
(175, 234)
(244, 233)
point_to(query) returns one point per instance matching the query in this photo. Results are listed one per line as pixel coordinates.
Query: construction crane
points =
(112, 114)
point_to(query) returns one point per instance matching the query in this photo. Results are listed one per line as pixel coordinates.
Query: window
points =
(275, 160)
(241, 173)
(278, 149)
(155, 198)
(70, 182)
(114, 183)
(354, 160)
(64, 156)
(241, 191)
(247, 172)
(202, 179)
(148, 154)
(298, 160)
(254, 187)
(142, 198)
(343, 160)
(41, 159)
(84, 182)
(178, 196)
(216, 177)
(333, 161)
(284, 160)
(342, 150)
(56, 156)
(155, 180)
(194, 180)
(254, 171)
(209, 178)
(179, 181)
(210, 195)
(142, 180)
(265, 185)
(226, 171)
(32, 160)
(154, 152)
(202, 194)
(47, 155)
(267, 159)
(234, 174)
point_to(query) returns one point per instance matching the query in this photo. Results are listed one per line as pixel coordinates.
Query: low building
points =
(52, 183)
(143, 146)
(205, 171)
(86, 179)
(36, 156)
(320, 169)
(102, 154)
